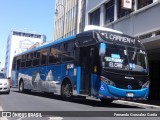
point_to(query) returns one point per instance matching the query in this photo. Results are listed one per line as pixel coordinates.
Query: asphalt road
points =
(16, 101)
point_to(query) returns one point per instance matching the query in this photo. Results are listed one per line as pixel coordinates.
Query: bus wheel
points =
(66, 91)
(21, 86)
(106, 101)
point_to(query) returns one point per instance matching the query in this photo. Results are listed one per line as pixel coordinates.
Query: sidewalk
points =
(153, 104)
(150, 102)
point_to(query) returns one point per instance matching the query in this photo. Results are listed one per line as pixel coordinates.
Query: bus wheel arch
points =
(21, 85)
(67, 89)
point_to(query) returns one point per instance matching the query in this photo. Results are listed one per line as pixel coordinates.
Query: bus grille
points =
(121, 82)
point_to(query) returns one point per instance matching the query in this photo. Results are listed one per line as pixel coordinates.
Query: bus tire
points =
(21, 86)
(106, 101)
(66, 91)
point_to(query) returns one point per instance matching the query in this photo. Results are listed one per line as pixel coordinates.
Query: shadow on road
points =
(79, 100)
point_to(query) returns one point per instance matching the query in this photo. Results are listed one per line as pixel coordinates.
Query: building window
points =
(95, 17)
(143, 3)
(123, 11)
(109, 11)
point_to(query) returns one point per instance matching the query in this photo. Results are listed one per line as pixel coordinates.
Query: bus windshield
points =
(137, 59)
(120, 57)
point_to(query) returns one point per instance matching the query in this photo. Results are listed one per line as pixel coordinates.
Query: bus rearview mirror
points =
(102, 49)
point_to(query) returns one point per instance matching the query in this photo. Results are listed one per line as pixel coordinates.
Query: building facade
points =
(69, 18)
(18, 42)
(138, 18)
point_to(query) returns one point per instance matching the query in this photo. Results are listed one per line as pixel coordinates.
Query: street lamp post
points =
(56, 13)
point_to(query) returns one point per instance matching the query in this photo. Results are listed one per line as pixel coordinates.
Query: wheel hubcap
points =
(67, 91)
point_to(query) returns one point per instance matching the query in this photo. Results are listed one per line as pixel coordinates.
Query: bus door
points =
(86, 66)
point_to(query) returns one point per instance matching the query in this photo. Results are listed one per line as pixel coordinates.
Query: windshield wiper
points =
(132, 59)
(134, 54)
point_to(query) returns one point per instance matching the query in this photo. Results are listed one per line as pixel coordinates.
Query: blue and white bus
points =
(100, 62)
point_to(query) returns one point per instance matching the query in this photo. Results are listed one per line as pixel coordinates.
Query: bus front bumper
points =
(112, 92)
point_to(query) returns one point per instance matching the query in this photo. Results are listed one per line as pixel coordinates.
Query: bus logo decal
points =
(102, 87)
(129, 87)
(70, 66)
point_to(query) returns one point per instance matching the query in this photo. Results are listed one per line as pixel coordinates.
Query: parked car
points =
(4, 84)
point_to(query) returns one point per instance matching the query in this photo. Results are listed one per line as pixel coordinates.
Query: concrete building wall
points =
(139, 22)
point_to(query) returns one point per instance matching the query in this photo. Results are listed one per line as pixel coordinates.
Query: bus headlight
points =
(107, 81)
(146, 84)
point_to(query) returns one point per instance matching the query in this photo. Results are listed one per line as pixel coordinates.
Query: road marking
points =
(2, 118)
(137, 104)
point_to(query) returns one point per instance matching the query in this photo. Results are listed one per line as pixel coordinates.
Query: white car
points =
(4, 84)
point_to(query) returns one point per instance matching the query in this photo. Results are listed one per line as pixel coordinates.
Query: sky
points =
(25, 15)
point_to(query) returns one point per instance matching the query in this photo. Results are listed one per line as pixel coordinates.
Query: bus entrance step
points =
(84, 92)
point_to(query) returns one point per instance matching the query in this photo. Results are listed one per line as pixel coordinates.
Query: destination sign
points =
(119, 38)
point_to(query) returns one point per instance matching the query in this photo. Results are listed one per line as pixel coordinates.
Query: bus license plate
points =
(129, 94)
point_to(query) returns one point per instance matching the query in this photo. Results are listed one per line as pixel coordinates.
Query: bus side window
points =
(71, 48)
(69, 52)
(53, 56)
(67, 57)
(58, 55)
(44, 54)
(62, 48)
(14, 64)
(18, 63)
(29, 60)
(23, 61)
(36, 58)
